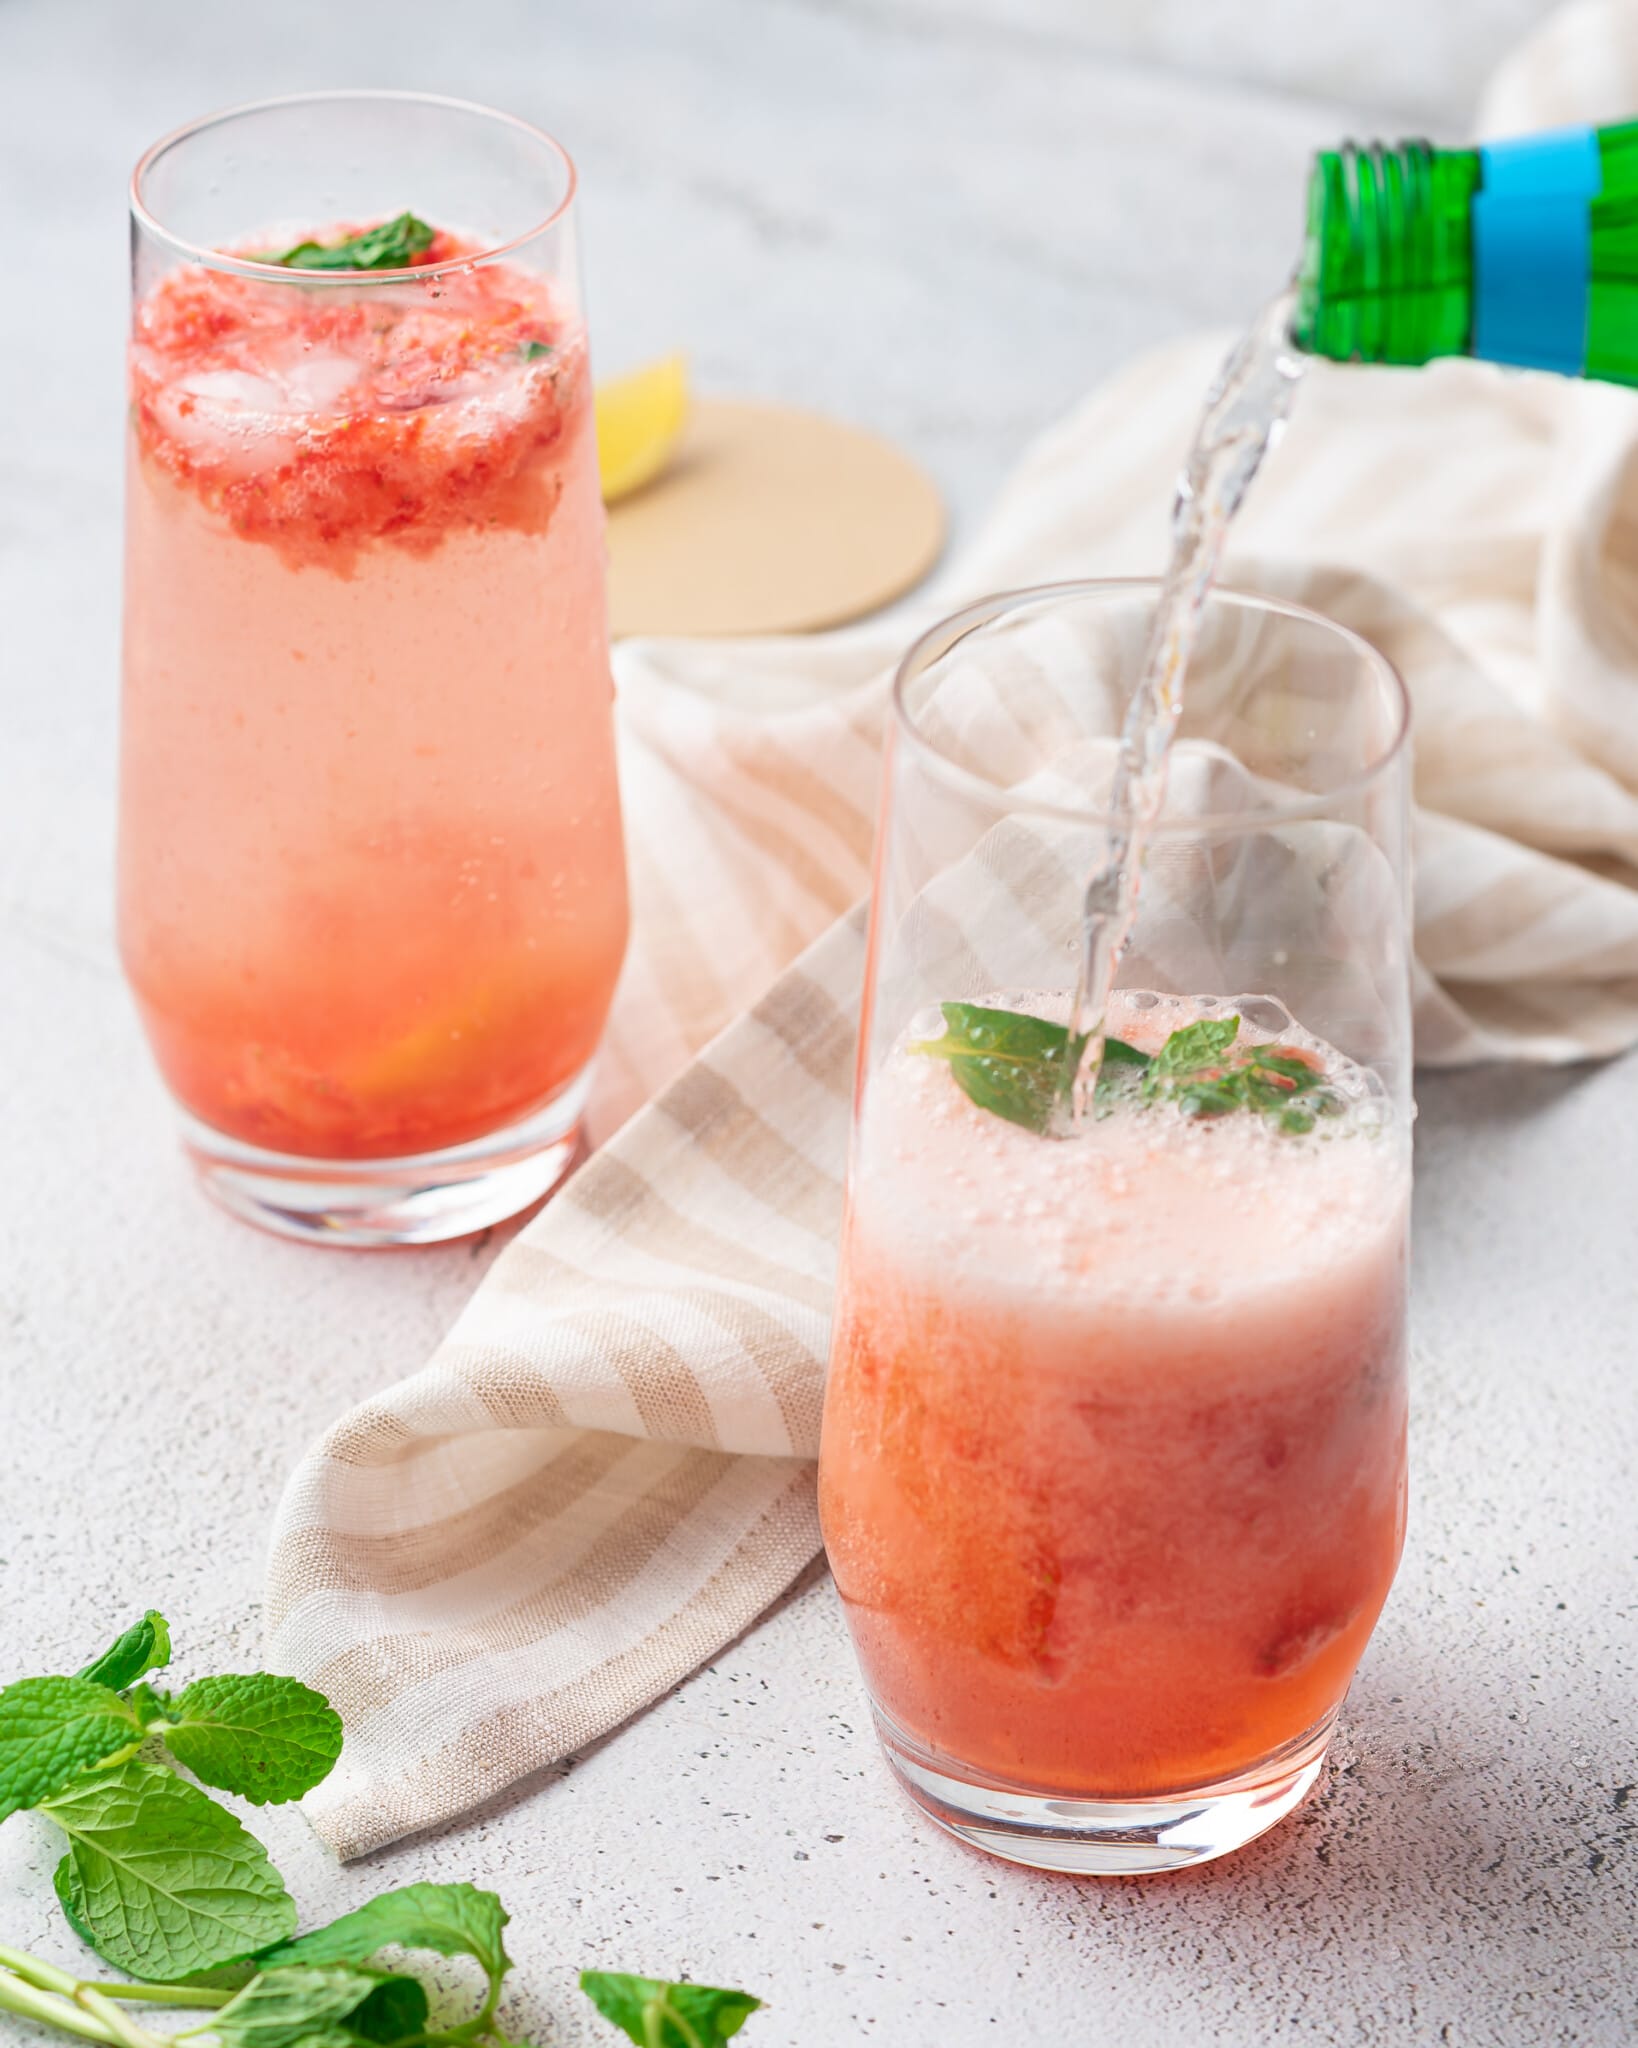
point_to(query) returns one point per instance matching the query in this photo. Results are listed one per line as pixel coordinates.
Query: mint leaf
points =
(656, 2014)
(1117, 1053)
(145, 1646)
(149, 1704)
(1004, 1061)
(60, 1885)
(1012, 1064)
(1203, 1071)
(452, 1919)
(52, 1729)
(266, 1738)
(393, 245)
(1201, 1044)
(532, 351)
(161, 1880)
(280, 2007)
(394, 2010)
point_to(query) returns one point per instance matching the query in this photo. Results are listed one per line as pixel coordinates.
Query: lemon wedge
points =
(639, 420)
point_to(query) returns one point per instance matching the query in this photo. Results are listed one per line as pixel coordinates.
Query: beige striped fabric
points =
(605, 1473)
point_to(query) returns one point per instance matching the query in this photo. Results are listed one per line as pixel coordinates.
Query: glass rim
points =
(950, 632)
(242, 266)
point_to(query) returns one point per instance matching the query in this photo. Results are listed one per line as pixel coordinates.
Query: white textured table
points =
(909, 214)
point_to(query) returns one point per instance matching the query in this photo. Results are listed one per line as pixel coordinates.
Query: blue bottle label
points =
(1532, 249)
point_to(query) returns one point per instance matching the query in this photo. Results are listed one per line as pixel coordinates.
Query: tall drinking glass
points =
(372, 888)
(1113, 1474)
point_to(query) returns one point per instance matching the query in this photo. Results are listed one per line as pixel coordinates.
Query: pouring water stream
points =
(1243, 417)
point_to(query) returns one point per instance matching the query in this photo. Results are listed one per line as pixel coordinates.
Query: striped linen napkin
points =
(605, 1473)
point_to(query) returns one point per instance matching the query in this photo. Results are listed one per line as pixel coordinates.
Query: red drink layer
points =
(372, 887)
(1113, 1472)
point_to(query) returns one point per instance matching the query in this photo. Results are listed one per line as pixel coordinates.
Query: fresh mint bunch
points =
(165, 1883)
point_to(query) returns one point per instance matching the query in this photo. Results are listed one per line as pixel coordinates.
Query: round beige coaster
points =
(770, 520)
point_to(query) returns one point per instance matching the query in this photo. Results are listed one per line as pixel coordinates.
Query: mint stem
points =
(41, 1991)
(45, 1976)
(123, 2028)
(163, 1994)
(34, 2004)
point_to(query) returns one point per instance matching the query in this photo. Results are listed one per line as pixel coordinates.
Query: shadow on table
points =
(1438, 1868)
(525, 1789)
(1459, 1098)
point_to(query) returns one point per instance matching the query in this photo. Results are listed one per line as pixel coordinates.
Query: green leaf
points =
(394, 2010)
(1004, 1061)
(1197, 1045)
(52, 1729)
(145, 1646)
(280, 2007)
(532, 351)
(1012, 1064)
(656, 2014)
(452, 1919)
(301, 2002)
(60, 1884)
(150, 1705)
(1117, 1053)
(161, 1880)
(266, 1738)
(393, 245)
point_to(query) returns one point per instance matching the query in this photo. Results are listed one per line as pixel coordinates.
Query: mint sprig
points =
(392, 245)
(1012, 1064)
(165, 1883)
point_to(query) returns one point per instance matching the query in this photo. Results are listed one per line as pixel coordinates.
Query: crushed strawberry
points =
(319, 417)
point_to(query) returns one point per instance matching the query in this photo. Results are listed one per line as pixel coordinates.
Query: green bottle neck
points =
(1523, 252)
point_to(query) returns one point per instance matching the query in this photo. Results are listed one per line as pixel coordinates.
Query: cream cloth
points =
(606, 1473)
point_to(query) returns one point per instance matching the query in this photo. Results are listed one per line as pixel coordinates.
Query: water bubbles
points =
(1265, 1014)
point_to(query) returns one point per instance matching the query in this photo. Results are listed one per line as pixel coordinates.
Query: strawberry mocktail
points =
(1113, 1479)
(372, 897)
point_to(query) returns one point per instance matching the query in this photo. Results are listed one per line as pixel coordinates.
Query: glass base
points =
(1108, 1837)
(366, 1204)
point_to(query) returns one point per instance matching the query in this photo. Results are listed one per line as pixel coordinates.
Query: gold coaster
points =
(770, 520)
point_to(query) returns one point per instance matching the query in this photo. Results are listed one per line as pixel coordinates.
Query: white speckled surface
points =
(943, 218)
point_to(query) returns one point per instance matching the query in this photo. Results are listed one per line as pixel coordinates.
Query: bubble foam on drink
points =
(1146, 1205)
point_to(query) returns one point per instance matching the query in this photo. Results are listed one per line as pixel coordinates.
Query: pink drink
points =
(372, 887)
(1114, 1469)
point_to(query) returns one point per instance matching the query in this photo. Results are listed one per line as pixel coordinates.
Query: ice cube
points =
(241, 390)
(314, 382)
